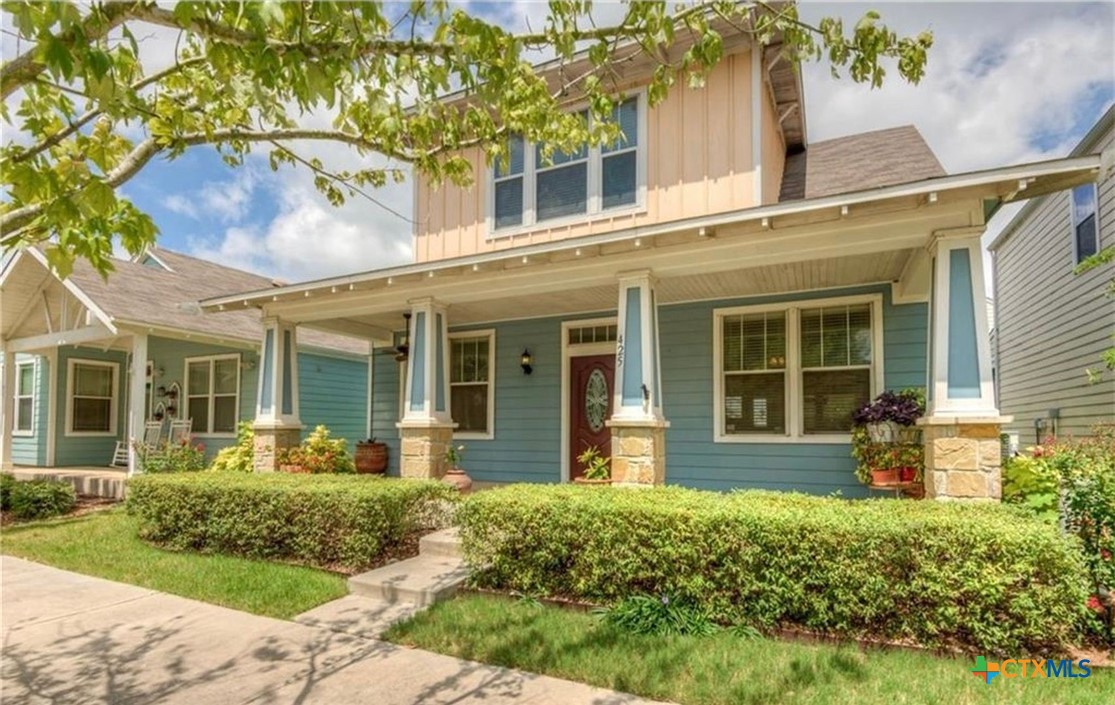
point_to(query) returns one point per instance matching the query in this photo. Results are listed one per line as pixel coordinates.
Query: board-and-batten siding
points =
(333, 391)
(699, 161)
(31, 450)
(1052, 324)
(527, 446)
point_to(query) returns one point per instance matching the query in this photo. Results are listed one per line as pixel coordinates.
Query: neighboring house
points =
(95, 358)
(706, 302)
(1053, 324)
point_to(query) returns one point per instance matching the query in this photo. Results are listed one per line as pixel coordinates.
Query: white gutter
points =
(1006, 175)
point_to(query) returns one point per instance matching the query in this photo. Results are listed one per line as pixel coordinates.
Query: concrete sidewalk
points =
(70, 638)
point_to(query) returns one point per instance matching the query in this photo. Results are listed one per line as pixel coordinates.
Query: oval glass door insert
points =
(596, 400)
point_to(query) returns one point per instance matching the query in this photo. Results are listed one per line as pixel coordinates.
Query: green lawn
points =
(105, 544)
(720, 669)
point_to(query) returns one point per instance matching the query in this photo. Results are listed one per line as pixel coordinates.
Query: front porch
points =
(500, 350)
(87, 480)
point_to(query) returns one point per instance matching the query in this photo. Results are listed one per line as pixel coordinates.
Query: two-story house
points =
(705, 302)
(1052, 323)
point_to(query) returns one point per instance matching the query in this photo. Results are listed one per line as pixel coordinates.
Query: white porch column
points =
(961, 429)
(637, 423)
(277, 425)
(427, 427)
(7, 408)
(137, 395)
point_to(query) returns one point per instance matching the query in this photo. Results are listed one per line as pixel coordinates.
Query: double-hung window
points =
(531, 189)
(92, 400)
(472, 383)
(213, 393)
(797, 370)
(24, 399)
(1085, 221)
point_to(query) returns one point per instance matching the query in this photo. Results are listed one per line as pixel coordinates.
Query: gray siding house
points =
(1052, 324)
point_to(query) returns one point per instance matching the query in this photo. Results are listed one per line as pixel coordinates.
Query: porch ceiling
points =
(746, 281)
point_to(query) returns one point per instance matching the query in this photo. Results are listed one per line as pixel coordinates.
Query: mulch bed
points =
(85, 505)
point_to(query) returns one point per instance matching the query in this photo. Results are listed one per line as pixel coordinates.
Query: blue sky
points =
(1006, 84)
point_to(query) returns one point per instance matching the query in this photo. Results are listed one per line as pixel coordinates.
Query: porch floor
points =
(87, 480)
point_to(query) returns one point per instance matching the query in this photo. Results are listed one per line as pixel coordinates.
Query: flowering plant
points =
(183, 456)
(319, 453)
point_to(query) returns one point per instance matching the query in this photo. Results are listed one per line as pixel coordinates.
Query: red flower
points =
(1094, 604)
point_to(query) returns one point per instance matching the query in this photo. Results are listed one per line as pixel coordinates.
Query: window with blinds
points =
(795, 370)
(531, 187)
(470, 383)
(213, 393)
(754, 363)
(835, 366)
(92, 398)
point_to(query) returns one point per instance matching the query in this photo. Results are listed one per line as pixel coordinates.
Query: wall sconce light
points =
(526, 361)
(159, 371)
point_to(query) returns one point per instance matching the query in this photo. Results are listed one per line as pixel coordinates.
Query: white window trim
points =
(793, 368)
(593, 212)
(16, 418)
(490, 334)
(114, 405)
(184, 402)
(1072, 222)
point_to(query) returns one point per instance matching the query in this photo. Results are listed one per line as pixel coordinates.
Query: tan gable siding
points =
(699, 161)
(773, 152)
(1052, 324)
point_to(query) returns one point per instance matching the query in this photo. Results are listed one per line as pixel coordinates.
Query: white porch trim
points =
(78, 336)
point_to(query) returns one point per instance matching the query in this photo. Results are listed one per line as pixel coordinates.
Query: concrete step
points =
(445, 543)
(365, 617)
(421, 581)
(92, 483)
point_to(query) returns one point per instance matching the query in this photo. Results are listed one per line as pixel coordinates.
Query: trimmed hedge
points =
(40, 499)
(348, 522)
(977, 577)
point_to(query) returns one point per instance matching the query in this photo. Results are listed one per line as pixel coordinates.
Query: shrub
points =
(41, 499)
(979, 577)
(319, 453)
(1073, 481)
(239, 457)
(6, 482)
(332, 521)
(172, 457)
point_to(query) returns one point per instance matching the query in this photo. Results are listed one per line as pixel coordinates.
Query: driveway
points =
(70, 638)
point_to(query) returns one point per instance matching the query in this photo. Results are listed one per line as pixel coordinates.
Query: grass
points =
(106, 544)
(720, 669)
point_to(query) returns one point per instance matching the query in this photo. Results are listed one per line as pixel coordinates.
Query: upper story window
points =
(591, 181)
(795, 371)
(1085, 221)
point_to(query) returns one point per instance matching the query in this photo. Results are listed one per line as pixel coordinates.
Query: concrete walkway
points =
(70, 638)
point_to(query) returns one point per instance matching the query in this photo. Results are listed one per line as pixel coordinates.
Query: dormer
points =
(700, 151)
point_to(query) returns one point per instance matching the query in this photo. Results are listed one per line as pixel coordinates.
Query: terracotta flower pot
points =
(371, 458)
(458, 478)
(884, 477)
(907, 474)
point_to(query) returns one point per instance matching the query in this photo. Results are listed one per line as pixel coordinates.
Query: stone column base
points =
(638, 452)
(423, 447)
(270, 441)
(963, 457)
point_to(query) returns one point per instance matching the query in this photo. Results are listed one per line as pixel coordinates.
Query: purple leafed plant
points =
(903, 408)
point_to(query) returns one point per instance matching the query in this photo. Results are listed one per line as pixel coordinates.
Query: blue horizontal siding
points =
(334, 392)
(88, 450)
(31, 450)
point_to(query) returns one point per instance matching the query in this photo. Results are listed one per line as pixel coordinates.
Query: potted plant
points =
(598, 470)
(455, 475)
(371, 457)
(885, 443)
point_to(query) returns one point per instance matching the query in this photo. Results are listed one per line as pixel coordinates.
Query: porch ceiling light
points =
(526, 362)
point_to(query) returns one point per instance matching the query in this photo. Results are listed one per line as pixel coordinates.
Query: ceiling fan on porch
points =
(402, 350)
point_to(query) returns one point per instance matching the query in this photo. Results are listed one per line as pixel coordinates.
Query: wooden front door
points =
(593, 379)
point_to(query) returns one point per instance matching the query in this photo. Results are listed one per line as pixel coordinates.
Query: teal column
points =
(638, 394)
(427, 382)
